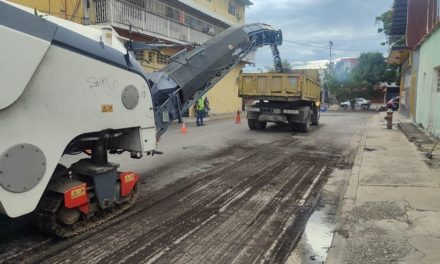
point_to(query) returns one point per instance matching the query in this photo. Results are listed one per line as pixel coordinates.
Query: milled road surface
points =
(223, 194)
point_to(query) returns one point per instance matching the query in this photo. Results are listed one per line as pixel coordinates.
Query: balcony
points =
(154, 18)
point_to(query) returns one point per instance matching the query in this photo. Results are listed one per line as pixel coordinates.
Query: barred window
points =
(438, 80)
(139, 55)
(162, 58)
(151, 56)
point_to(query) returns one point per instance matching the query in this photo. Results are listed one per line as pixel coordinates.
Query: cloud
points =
(349, 24)
(318, 64)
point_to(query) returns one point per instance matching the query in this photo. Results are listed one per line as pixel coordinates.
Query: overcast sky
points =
(350, 24)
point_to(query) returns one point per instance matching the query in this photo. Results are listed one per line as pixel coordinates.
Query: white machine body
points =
(50, 95)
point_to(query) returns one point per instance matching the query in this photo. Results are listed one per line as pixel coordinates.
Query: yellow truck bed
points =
(297, 85)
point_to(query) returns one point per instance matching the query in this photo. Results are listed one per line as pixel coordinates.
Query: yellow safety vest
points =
(201, 104)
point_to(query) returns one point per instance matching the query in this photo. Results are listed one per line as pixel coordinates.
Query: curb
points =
(348, 201)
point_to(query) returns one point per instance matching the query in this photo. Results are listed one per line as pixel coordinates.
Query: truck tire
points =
(260, 125)
(251, 124)
(315, 117)
(305, 127)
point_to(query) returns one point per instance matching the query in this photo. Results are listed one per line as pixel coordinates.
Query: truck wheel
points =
(315, 117)
(260, 125)
(251, 124)
(305, 127)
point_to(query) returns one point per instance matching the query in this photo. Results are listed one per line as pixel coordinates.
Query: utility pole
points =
(331, 45)
(326, 93)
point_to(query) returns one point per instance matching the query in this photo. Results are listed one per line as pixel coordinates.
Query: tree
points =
(342, 89)
(385, 20)
(362, 79)
(286, 64)
(372, 69)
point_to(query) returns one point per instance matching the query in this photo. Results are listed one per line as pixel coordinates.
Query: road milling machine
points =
(69, 89)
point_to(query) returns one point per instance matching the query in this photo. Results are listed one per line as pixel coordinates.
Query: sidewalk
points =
(390, 212)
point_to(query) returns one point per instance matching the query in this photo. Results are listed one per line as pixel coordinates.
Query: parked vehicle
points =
(364, 104)
(359, 102)
(345, 105)
(393, 103)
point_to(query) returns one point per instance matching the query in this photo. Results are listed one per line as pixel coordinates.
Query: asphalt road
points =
(219, 194)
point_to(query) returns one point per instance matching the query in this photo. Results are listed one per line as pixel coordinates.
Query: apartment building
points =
(418, 21)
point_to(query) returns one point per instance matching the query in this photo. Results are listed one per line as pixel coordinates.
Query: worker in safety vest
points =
(200, 108)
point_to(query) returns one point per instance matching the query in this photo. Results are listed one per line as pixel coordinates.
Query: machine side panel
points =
(17, 67)
(69, 95)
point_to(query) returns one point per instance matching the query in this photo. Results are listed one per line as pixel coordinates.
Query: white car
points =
(364, 104)
(361, 102)
(345, 104)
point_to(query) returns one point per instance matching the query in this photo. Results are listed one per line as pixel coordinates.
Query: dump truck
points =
(291, 97)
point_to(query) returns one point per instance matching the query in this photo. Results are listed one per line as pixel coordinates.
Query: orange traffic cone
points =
(237, 118)
(183, 129)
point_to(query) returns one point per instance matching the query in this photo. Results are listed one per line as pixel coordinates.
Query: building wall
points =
(67, 9)
(221, 7)
(405, 88)
(415, 59)
(223, 98)
(428, 96)
(153, 61)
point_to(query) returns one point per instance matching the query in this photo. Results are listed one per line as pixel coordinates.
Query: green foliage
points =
(285, 63)
(369, 72)
(385, 20)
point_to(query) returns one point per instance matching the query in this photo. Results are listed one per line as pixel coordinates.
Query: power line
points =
(323, 47)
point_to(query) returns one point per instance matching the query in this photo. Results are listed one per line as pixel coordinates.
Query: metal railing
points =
(151, 16)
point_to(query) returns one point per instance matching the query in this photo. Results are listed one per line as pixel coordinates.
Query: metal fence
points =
(155, 17)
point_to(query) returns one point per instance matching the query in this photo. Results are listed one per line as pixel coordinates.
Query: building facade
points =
(428, 84)
(419, 22)
(160, 21)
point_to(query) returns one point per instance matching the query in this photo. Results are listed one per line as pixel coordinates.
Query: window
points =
(139, 55)
(172, 13)
(232, 8)
(438, 80)
(162, 58)
(150, 56)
